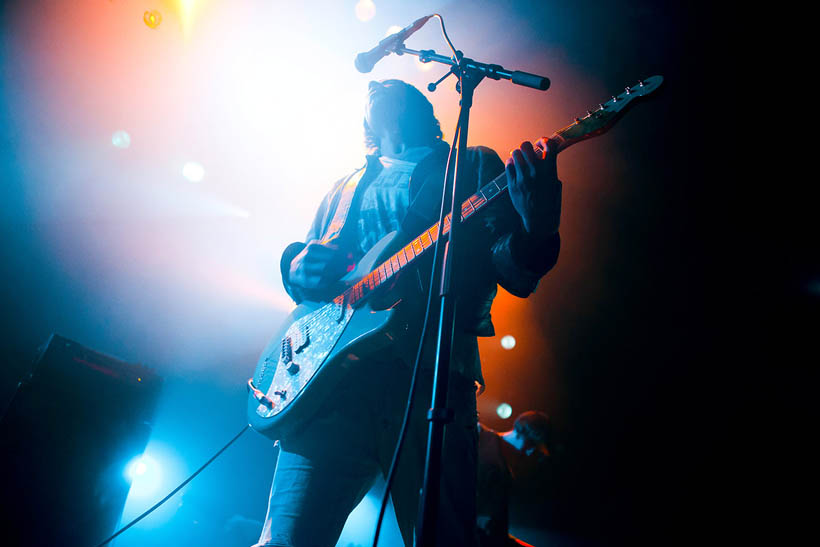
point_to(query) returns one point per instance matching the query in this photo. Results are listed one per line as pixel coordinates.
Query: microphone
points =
(367, 60)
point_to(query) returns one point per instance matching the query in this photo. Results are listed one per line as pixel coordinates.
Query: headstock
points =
(604, 116)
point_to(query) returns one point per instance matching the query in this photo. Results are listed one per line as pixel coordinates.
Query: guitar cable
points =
(175, 490)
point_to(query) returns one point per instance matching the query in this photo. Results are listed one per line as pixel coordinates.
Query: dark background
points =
(672, 349)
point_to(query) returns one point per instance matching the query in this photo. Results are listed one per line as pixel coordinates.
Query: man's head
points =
(398, 116)
(534, 430)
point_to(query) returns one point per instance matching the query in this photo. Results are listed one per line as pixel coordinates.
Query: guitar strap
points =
(348, 190)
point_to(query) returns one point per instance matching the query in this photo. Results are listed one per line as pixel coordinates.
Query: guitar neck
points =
(427, 239)
(594, 123)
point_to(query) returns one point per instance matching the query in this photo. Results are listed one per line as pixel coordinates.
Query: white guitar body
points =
(318, 344)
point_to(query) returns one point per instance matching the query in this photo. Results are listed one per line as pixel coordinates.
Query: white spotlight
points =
(193, 171)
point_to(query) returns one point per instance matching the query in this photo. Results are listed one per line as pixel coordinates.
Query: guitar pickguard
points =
(304, 348)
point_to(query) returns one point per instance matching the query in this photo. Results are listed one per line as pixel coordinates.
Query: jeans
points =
(325, 470)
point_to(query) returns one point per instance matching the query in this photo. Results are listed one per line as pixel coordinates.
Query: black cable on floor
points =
(175, 490)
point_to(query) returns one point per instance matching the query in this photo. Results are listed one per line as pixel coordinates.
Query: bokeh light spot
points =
(508, 342)
(504, 411)
(152, 18)
(365, 10)
(392, 30)
(424, 66)
(193, 171)
(121, 139)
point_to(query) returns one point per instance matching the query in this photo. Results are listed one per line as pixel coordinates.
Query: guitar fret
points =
(394, 261)
(425, 240)
(490, 190)
(477, 201)
(408, 250)
(418, 248)
(467, 209)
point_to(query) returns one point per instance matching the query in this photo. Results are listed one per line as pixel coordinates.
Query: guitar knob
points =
(293, 368)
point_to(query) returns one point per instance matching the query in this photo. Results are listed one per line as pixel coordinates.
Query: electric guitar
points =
(320, 342)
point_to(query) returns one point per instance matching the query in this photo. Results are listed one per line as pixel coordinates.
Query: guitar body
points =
(321, 342)
(317, 345)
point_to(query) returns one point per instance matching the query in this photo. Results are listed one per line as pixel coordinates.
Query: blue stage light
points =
(144, 474)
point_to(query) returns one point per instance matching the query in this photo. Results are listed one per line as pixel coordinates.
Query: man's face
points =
(384, 104)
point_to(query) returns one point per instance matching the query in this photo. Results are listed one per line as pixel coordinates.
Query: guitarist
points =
(325, 469)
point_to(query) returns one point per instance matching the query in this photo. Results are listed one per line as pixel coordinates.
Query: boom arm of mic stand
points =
(494, 72)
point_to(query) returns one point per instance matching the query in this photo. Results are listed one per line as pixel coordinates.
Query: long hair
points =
(416, 121)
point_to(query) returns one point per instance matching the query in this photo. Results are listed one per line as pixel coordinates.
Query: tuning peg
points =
(601, 106)
(589, 112)
(577, 120)
(614, 99)
(628, 90)
(640, 83)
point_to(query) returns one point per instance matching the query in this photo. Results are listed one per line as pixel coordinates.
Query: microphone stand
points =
(469, 73)
(439, 414)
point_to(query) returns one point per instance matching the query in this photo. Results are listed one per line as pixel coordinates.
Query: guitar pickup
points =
(304, 332)
(287, 350)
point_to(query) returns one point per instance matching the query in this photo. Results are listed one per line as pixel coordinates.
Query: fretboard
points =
(413, 250)
(595, 123)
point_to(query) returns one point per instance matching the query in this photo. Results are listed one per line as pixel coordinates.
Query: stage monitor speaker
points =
(65, 440)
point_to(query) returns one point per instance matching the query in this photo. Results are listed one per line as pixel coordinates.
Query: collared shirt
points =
(386, 199)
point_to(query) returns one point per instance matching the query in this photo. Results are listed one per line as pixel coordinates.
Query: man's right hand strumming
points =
(317, 265)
